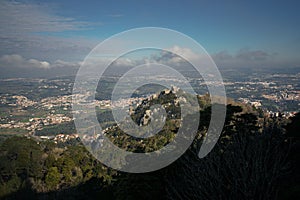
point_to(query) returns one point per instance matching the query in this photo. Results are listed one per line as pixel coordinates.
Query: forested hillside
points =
(256, 157)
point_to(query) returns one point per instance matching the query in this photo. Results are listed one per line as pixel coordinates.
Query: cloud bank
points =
(247, 58)
(17, 61)
(15, 65)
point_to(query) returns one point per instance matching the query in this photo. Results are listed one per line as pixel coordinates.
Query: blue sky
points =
(229, 25)
(68, 30)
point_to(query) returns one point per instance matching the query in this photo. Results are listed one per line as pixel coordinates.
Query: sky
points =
(59, 33)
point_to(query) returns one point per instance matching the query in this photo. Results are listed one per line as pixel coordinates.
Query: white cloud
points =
(181, 57)
(184, 52)
(12, 66)
(19, 62)
(124, 62)
(36, 63)
(61, 63)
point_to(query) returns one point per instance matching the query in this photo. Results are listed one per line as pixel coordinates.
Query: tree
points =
(293, 128)
(244, 164)
(52, 178)
(68, 166)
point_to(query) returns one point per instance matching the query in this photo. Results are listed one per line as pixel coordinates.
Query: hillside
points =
(255, 158)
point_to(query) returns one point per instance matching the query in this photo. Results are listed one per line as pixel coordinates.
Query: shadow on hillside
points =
(87, 190)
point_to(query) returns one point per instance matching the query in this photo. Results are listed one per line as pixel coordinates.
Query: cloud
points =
(124, 62)
(256, 55)
(243, 58)
(243, 55)
(25, 27)
(222, 55)
(17, 18)
(172, 56)
(17, 66)
(185, 52)
(17, 61)
(249, 58)
(61, 63)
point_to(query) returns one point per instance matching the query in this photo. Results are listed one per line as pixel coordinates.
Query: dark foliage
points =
(252, 160)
